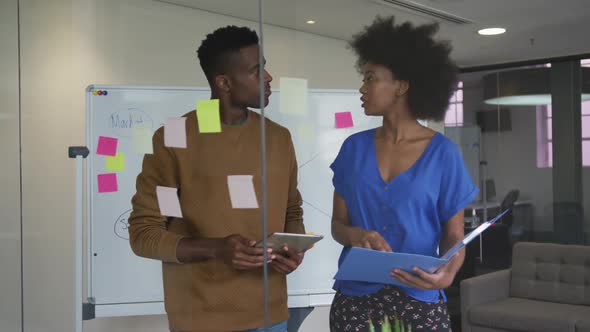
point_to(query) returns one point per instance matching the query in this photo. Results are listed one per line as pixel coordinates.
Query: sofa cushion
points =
(583, 325)
(528, 315)
(476, 328)
(551, 272)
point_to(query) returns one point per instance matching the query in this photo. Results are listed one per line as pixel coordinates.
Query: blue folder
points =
(374, 266)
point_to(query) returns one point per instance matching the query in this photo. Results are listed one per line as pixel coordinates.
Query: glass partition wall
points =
(530, 136)
(10, 213)
(521, 130)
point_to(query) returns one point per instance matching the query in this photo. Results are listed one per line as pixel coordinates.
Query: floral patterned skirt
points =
(387, 310)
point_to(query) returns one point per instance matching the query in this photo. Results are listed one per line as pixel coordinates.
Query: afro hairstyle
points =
(411, 54)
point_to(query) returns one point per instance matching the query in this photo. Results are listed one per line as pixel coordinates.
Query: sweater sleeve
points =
(148, 233)
(294, 217)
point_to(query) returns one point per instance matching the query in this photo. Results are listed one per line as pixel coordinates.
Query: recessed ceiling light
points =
(310, 22)
(491, 31)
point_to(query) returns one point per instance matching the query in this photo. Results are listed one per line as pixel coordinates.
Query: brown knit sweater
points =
(210, 295)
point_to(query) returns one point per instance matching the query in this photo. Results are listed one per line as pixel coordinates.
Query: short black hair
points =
(217, 48)
(412, 55)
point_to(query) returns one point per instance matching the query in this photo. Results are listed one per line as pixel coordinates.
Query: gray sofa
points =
(547, 289)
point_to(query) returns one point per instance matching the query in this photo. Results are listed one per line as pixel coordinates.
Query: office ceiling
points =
(536, 28)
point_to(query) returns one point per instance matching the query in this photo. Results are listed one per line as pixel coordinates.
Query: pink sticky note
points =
(175, 133)
(168, 201)
(107, 183)
(344, 120)
(107, 146)
(241, 192)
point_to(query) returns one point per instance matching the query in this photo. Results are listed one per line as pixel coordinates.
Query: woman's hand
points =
(369, 239)
(348, 235)
(441, 279)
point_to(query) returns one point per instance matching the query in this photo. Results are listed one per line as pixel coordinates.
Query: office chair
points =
(508, 203)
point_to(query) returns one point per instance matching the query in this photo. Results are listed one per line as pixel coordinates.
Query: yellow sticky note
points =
(305, 132)
(293, 95)
(142, 140)
(116, 163)
(310, 233)
(208, 117)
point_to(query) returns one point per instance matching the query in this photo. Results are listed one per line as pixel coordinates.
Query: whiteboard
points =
(468, 140)
(122, 283)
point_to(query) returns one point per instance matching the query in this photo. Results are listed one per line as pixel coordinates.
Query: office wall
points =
(68, 44)
(10, 243)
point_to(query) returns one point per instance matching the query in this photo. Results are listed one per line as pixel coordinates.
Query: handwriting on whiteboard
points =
(122, 225)
(122, 122)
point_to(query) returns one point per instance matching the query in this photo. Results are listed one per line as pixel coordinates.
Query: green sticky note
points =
(116, 163)
(208, 117)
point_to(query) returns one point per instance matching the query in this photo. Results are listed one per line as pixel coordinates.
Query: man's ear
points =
(222, 83)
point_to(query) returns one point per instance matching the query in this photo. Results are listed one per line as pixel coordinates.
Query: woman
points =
(401, 187)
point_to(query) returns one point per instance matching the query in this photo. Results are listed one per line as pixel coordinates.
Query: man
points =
(212, 271)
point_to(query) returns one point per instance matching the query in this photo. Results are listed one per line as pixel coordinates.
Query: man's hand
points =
(370, 240)
(240, 253)
(441, 279)
(286, 261)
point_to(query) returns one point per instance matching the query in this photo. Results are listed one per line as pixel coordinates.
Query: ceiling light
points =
(491, 31)
(525, 87)
(310, 22)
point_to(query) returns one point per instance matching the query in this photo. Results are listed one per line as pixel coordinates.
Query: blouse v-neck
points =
(409, 169)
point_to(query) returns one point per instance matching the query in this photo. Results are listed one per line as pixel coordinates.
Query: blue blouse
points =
(410, 210)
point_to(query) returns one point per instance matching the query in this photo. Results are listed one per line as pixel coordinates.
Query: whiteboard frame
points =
(296, 299)
(157, 308)
(89, 180)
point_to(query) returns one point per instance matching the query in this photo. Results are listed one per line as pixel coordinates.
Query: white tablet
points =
(299, 242)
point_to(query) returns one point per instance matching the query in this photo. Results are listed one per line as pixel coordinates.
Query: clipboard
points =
(374, 266)
(299, 242)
